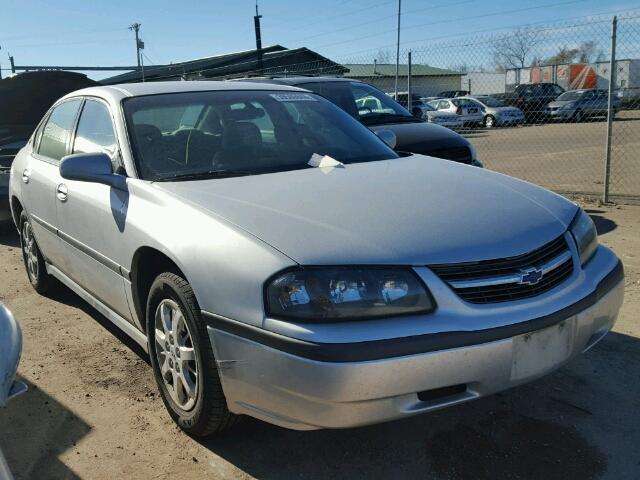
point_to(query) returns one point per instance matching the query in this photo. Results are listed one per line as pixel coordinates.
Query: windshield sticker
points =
(293, 97)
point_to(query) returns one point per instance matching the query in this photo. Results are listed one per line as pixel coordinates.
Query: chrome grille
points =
(504, 279)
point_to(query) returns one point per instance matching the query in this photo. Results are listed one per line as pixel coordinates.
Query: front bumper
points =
(303, 385)
(559, 114)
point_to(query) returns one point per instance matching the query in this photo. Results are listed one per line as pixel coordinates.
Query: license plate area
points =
(538, 352)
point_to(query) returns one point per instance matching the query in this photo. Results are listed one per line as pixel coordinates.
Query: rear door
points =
(41, 177)
(92, 216)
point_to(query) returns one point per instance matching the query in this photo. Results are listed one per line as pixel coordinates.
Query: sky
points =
(92, 33)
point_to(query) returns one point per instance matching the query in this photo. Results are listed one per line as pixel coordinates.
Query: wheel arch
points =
(148, 262)
(16, 210)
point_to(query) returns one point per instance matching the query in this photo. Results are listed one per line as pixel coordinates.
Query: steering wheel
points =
(360, 110)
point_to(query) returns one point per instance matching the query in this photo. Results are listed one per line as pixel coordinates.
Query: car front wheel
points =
(182, 358)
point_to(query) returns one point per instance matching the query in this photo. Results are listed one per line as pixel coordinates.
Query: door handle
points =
(26, 174)
(62, 192)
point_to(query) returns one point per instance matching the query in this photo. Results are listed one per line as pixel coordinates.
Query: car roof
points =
(155, 88)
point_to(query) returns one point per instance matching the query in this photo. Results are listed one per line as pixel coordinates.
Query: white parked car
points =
(470, 112)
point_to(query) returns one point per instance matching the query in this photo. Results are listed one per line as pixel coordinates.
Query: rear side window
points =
(57, 131)
(95, 132)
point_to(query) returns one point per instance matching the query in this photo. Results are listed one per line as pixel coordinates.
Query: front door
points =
(92, 216)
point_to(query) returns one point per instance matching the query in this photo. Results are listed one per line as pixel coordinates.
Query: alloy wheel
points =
(30, 251)
(175, 354)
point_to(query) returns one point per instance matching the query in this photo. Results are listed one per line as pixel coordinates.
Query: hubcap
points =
(176, 355)
(30, 252)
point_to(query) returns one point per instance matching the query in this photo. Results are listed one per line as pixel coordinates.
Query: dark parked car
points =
(532, 99)
(24, 99)
(579, 105)
(452, 93)
(412, 134)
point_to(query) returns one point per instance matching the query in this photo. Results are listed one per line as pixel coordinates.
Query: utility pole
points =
(398, 49)
(136, 28)
(256, 24)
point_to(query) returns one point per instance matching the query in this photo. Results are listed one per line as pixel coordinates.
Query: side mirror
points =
(388, 137)
(90, 167)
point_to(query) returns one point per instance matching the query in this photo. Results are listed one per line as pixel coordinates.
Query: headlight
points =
(341, 293)
(567, 106)
(585, 234)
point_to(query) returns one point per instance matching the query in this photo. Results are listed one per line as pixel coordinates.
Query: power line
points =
(473, 17)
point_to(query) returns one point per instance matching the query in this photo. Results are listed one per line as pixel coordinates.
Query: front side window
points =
(95, 132)
(57, 130)
(242, 133)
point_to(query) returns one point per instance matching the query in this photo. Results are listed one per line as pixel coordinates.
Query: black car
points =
(24, 99)
(379, 111)
(532, 98)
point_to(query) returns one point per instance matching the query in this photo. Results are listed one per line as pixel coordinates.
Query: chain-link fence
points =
(536, 101)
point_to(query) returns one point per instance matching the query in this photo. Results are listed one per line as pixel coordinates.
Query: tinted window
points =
(361, 100)
(95, 130)
(57, 131)
(243, 133)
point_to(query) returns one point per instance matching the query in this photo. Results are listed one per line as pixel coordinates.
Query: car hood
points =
(422, 137)
(407, 211)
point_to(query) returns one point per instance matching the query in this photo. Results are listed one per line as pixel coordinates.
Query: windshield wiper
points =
(209, 174)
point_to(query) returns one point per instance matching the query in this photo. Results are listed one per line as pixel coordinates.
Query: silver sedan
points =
(496, 113)
(277, 259)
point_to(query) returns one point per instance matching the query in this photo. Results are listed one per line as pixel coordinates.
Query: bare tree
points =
(513, 50)
(563, 56)
(383, 56)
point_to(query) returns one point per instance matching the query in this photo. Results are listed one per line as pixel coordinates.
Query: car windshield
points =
(230, 133)
(570, 96)
(362, 101)
(490, 102)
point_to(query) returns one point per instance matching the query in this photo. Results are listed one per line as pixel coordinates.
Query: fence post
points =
(409, 106)
(610, 110)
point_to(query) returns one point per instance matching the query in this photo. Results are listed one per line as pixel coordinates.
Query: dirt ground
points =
(92, 411)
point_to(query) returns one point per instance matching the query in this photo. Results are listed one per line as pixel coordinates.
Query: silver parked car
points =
(277, 259)
(579, 105)
(469, 111)
(496, 113)
(10, 350)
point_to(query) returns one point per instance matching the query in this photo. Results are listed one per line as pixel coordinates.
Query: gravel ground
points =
(92, 411)
(567, 157)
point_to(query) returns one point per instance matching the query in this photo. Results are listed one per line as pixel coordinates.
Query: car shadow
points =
(36, 430)
(65, 295)
(536, 431)
(603, 224)
(9, 236)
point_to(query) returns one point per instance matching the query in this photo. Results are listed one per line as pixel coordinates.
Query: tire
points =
(174, 324)
(489, 121)
(33, 260)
